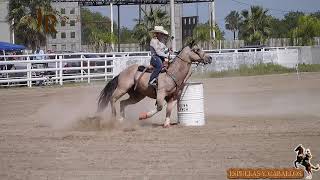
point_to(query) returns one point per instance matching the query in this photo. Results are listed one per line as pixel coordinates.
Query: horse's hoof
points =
(143, 116)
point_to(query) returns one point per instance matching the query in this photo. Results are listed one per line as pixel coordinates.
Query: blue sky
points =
(276, 8)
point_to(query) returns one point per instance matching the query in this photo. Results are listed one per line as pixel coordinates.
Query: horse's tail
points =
(106, 93)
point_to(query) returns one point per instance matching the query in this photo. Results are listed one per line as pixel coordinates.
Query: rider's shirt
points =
(158, 48)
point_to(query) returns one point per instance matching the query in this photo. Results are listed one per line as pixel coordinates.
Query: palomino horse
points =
(134, 83)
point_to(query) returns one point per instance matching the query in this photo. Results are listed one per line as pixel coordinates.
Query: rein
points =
(179, 87)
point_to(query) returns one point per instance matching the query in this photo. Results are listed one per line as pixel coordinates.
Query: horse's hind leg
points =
(133, 99)
(117, 94)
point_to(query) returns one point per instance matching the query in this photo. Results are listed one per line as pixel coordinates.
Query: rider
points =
(159, 52)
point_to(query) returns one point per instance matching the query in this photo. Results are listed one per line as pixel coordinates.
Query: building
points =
(188, 25)
(5, 33)
(68, 36)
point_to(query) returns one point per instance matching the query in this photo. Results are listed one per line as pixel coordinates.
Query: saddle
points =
(149, 69)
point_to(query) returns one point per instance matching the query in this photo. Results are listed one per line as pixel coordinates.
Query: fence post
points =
(113, 60)
(61, 70)
(29, 74)
(105, 68)
(88, 66)
(81, 64)
(298, 73)
(56, 58)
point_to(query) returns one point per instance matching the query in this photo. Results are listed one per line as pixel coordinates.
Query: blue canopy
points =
(4, 46)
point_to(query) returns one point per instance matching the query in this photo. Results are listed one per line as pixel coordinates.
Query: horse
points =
(135, 83)
(304, 160)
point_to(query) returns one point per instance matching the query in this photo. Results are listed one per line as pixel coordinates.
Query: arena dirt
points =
(54, 133)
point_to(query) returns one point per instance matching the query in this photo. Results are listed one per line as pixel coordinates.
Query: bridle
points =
(197, 62)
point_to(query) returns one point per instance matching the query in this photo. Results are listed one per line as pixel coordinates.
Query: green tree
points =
(291, 19)
(101, 41)
(23, 14)
(308, 27)
(278, 28)
(92, 24)
(233, 20)
(316, 14)
(256, 25)
(155, 17)
(201, 34)
(281, 28)
(126, 36)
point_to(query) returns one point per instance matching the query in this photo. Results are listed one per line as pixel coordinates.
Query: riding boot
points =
(153, 83)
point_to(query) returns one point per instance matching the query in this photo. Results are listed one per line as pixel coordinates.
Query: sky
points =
(276, 8)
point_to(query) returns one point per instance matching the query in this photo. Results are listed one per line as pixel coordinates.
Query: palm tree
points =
(152, 18)
(233, 22)
(256, 25)
(23, 14)
(201, 34)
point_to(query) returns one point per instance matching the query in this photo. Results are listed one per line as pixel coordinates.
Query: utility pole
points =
(139, 13)
(111, 17)
(197, 10)
(173, 27)
(212, 19)
(118, 28)
(13, 40)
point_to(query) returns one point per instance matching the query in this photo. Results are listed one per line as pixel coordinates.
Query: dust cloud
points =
(77, 112)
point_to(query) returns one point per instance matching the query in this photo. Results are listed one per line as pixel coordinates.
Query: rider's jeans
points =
(156, 62)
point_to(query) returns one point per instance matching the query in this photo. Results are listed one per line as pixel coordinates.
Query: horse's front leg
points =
(295, 164)
(170, 106)
(160, 103)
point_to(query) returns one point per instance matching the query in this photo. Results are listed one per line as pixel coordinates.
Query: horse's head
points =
(299, 148)
(196, 55)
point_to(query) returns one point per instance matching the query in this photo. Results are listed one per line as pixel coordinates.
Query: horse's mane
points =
(189, 44)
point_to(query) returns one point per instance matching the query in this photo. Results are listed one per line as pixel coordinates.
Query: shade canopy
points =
(4, 46)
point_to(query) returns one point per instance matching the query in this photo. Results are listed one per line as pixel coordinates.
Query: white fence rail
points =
(60, 68)
(86, 67)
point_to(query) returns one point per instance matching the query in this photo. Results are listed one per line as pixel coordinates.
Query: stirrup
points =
(153, 83)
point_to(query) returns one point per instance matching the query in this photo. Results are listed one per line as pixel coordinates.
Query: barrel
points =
(191, 106)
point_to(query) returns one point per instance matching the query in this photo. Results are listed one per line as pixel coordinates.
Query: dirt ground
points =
(50, 133)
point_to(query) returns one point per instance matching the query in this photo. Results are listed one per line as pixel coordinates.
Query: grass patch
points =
(264, 69)
(309, 67)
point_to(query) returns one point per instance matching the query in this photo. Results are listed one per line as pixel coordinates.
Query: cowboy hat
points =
(159, 29)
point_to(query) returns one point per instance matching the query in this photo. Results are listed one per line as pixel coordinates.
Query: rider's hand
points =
(166, 59)
(166, 64)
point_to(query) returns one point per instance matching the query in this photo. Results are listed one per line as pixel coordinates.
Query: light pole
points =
(111, 17)
(212, 20)
(173, 27)
(13, 40)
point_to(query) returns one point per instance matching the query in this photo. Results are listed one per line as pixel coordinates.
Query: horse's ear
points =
(190, 42)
